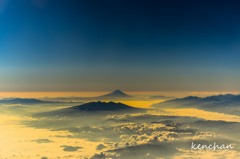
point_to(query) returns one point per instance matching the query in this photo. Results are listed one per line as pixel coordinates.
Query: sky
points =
(135, 45)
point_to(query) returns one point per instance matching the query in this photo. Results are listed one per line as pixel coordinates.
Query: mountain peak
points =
(116, 94)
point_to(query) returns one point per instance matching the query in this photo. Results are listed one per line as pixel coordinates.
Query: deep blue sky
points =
(138, 45)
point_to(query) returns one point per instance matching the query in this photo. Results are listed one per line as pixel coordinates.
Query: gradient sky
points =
(135, 45)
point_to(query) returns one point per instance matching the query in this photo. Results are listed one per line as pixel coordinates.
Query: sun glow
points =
(140, 103)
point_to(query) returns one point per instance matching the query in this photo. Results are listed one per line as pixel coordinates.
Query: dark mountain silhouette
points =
(91, 108)
(102, 106)
(227, 103)
(22, 101)
(117, 94)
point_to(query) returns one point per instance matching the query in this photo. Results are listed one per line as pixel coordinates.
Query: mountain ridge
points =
(23, 101)
(102, 106)
(226, 103)
(91, 107)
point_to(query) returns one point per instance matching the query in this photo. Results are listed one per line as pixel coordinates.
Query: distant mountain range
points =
(23, 101)
(90, 108)
(227, 103)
